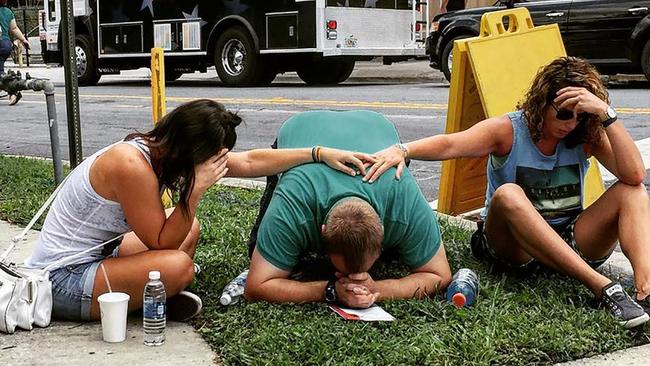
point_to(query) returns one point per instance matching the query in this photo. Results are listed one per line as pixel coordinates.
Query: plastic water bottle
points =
(234, 290)
(154, 310)
(463, 288)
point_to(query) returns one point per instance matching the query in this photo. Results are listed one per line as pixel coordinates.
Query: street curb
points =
(371, 72)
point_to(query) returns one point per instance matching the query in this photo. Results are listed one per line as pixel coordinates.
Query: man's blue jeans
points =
(5, 51)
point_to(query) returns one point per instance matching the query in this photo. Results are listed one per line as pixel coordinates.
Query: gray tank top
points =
(80, 218)
(554, 184)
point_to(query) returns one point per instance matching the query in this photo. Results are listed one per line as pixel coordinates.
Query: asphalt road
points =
(122, 104)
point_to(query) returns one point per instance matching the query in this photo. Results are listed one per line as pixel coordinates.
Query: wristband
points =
(315, 154)
(330, 292)
(609, 121)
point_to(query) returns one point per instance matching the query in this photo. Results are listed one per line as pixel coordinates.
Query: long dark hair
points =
(187, 136)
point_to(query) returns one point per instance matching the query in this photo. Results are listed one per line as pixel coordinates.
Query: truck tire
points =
(86, 60)
(346, 70)
(172, 75)
(645, 60)
(445, 57)
(326, 72)
(267, 77)
(235, 58)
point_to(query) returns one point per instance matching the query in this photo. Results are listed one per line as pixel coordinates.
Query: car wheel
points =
(86, 60)
(446, 56)
(235, 58)
(645, 60)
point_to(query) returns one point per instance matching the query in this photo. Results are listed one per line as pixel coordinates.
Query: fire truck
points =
(248, 41)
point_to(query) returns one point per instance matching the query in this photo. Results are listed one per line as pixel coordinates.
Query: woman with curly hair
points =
(537, 160)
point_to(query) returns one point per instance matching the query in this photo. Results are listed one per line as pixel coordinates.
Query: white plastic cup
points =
(114, 307)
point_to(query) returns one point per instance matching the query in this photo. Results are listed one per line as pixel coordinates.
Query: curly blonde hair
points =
(560, 73)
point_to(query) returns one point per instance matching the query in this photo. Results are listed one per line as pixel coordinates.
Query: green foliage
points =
(537, 319)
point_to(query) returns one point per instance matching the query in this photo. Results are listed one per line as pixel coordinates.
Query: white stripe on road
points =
(644, 148)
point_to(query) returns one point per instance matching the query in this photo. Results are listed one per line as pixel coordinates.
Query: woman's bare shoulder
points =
(124, 159)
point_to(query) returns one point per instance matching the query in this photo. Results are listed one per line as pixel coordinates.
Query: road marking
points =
(129, 106)
(32, 102)
(311, 102)
(643, 146)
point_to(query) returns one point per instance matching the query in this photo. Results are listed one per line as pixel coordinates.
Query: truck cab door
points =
(600, 30)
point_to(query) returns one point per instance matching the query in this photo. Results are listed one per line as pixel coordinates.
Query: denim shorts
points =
(482, 249)
(72, 289)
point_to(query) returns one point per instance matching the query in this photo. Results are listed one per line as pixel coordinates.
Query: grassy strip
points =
(539, 319)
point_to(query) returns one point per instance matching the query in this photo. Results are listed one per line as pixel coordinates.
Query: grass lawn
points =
(539, 319)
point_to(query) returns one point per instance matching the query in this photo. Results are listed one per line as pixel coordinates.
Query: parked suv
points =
(613, 35)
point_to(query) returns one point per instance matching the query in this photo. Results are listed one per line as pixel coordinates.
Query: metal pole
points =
(13, 83)
(54, 137)
(71, 89)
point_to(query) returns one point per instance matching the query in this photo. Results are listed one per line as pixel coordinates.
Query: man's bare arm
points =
(269, 283)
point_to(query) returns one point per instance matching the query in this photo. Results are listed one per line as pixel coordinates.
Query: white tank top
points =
(80, 218)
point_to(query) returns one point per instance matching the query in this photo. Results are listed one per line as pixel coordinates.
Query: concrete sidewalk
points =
(76, 343)
(414, 71)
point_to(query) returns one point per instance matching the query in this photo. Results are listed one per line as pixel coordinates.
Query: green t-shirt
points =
(291, 225)
(6, 16)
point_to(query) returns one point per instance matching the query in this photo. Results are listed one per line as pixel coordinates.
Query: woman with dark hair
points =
(8, 26)
(537, 160)
(117, 190)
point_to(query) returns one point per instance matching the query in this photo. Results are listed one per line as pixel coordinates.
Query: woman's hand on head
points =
(338, 159)
(210, 171)
(580, 100)
(386, 159)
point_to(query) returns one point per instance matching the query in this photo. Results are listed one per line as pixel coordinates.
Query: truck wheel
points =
(267, 77)
(86, 60)
(645, 60)
(172, 75)
(235, 58)
(346, 70)
(326, 72)
(446, 57)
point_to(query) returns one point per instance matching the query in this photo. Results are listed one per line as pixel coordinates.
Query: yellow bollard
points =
(158, 101)
(20, 55)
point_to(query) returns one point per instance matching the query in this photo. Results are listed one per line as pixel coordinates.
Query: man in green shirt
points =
(318, 210)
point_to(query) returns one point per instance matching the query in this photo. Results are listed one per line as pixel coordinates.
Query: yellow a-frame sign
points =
(490, 75)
